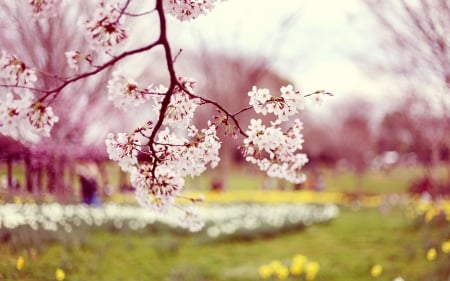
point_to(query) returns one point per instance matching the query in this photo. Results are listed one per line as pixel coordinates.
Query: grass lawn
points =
(346, 249)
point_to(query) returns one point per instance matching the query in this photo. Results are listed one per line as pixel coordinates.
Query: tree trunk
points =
(9, 164)
(29, 171)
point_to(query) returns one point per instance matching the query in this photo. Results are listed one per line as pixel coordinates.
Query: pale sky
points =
(316, 47)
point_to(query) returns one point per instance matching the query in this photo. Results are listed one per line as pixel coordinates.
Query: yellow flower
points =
(19, 263)
(431, 254)
(297, 265)
(59, 274)
(17, 200)
(376, 270)
(446, 246)
(311, 269)
(282, 273)
(265, 271)
(275, 265)
(300, 259)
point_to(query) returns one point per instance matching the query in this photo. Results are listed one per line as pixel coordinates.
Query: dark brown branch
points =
(172, 74)
(102, 67)
(221, 108)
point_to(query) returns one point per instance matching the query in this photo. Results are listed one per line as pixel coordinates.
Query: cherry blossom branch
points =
(242, 110)
(170, 67)
(100, 68)
(221, 108)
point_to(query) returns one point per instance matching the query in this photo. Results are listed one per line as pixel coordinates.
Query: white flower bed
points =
(219, 219)
(248, 218)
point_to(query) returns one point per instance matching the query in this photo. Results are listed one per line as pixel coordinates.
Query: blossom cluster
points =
(179, 149)
(22, 117)
(124, 92)
(185, 10)
(44, 8)
(106, 28)
(182, 105)
(289, 103)
(274, 149)
(159, 180)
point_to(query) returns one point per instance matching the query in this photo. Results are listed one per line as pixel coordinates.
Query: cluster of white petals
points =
(288, 104)
(74, 58)
(189, 156)
(106, 28)
(23, 119)
(41, 119)
(21, 116)
(191, 219)
(276, 150)
(178, 150)
(185, 10)
(123, 148)
(44, 8)
(125, 92)
(157, 184)
(15, 72)
(182, 106)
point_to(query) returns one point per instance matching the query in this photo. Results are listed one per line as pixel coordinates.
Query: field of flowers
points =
(266, 236)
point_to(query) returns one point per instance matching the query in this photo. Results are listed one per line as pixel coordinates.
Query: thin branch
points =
(242, 110)
(177, 55)
(218, 106)
(138, 14)
(102, 67)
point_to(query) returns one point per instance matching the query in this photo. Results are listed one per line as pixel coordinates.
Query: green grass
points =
(345, 248)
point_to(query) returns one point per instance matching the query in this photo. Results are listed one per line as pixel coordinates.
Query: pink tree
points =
(415, 45)
(43, 43)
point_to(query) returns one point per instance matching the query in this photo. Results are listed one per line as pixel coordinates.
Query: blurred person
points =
(88, 184)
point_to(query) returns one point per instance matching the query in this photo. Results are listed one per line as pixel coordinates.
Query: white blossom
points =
(15, 72)
(156, 187)
(74, 58)
(185, 10)
(182, 106)
(105, 29)
(191, 219)
(288, 104)
(42, 119)
(123, 148)
(25, 120)
(275, 151)
(258, 99)
(124, 92)
(44, 8)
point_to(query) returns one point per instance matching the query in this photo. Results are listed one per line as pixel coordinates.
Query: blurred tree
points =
(322, 148)
(355, 137)
(77, 136)
(416, 50)
(417, 42)
(410, 128)
(350, 144)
